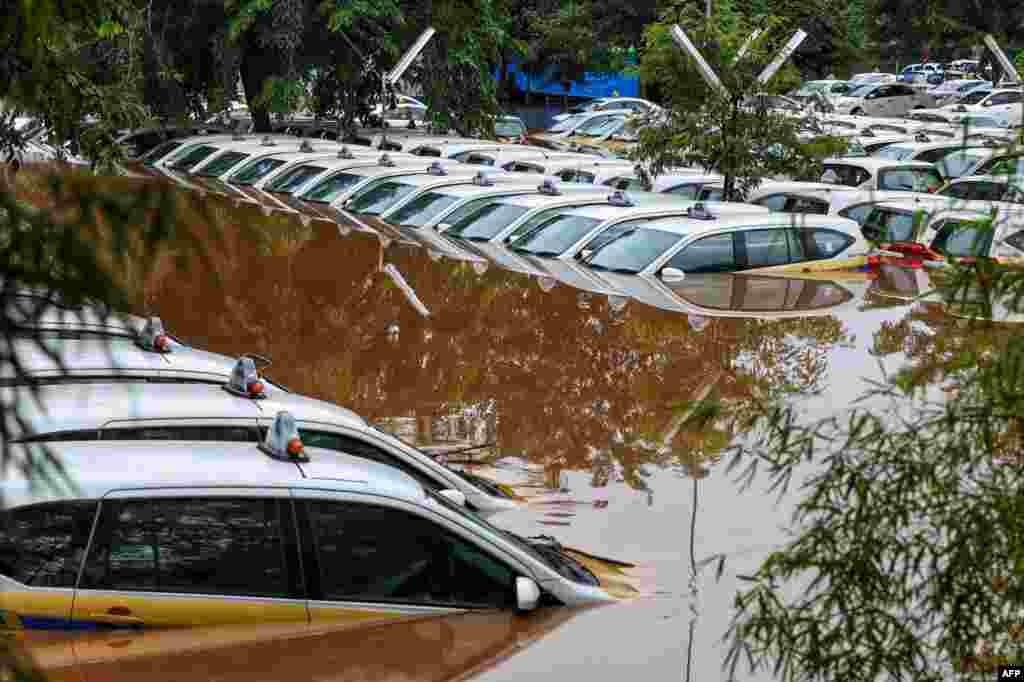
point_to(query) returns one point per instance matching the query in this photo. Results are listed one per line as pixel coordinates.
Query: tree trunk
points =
(729, 188)
(257, 66)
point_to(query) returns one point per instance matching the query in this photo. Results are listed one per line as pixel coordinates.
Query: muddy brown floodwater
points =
(583, 404)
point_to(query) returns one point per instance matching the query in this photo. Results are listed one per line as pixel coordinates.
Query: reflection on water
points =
(436, 649)
(559, 377)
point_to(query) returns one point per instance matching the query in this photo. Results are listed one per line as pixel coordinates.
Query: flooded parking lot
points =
(588, 405)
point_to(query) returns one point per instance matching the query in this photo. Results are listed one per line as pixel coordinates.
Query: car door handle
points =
(116, 615)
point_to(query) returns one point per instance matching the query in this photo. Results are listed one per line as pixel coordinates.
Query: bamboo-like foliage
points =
(908, 558)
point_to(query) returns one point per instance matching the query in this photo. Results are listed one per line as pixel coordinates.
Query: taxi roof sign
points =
(283, 441)
(549, 186)
(483, 179)
(620, 198)
(153, 337)
(245, 381)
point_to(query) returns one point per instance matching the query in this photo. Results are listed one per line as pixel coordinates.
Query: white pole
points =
(681, 39)
(788, 50)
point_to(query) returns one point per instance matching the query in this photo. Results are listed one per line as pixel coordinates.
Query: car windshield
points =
(979, 122)
(160, 151)
(862, 90)
(895, 153)
(634, 250)
(222, 164)
(193, 158)
(610, 126)
(811, 88)
(910, 179)
(289, 181)
(957, 163)
(378, 196)
(422, 209)
(556, 235)
(254, 171)
(556, 563)
(568, 124)
(326, 191)
(592, 125)
(975, 96)
(487, 222)
(1004, 165)
(507, 128)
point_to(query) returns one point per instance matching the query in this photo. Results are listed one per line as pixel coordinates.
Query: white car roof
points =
(98, 468)
(996, 179)
(608, 211)
(874, 165)
(732, 222)
(115, 359)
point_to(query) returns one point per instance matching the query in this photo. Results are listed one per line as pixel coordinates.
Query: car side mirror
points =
(586, 253)
(527, 594)
(452, 495)
(672, 275)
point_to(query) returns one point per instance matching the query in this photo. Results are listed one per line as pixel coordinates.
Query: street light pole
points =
(707, 9)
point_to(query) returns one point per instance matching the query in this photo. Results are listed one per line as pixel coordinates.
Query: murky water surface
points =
(584, 402)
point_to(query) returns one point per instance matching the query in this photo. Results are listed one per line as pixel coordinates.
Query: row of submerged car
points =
(200, 492)
(592, 218)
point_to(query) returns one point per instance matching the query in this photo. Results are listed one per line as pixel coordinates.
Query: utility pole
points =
(707, 10)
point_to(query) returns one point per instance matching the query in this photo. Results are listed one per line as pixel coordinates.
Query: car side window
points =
(933, 155)
(371, 553)
(850, 176)
(710, 254)
(212, 546)
(222, 434)
(765, 248)
(773, 202)
(358, 448)
(806, 205)
(857, 213)
(687, 191)
(959, 239)
(824, 243)
(42, 545)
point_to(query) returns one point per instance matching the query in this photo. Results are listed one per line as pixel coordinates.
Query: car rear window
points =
(222, 164)
(422, 209)
(193, 158)
(254, 171)
(291, 180)
(326, 191)
(375, 200)
(487, 222)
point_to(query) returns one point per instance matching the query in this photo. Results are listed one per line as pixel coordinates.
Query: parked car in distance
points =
(881, 99)
(704, 242)
(882, 174)
(1004, 188)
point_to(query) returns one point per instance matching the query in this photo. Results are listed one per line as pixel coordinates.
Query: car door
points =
(385, 560)
(878, 103)
(41, 550)
(192, 557)
(901, 99)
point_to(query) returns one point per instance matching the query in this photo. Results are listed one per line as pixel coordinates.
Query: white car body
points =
(881, 99)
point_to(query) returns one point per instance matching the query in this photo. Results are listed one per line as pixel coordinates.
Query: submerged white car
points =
(210, 534)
